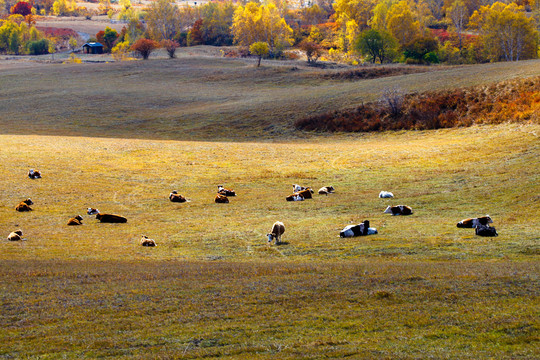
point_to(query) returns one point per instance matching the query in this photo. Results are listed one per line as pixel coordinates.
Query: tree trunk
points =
(259, 63)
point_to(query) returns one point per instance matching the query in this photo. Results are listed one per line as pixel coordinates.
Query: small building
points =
(93, 48)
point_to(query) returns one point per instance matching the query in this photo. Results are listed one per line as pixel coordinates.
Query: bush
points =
(145, 47)
(38, 47)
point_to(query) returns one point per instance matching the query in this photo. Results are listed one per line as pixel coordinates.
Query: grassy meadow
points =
(121, 138)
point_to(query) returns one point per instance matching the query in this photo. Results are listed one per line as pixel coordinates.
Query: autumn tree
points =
(506, 32)
(107, 38)
(260, 23)
(259, 49)
(401, 23)
(145, 47)
(22, 7)
(352, 16)
(312, 49)
(170, 46)
(163, 19)
(376, 44)
(459, 15)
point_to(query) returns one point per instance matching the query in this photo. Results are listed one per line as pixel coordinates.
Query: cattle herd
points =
(300, 193)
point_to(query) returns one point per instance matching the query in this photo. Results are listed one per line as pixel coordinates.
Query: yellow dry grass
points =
(213, 288)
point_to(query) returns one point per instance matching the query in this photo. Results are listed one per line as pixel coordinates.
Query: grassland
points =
(213, 288)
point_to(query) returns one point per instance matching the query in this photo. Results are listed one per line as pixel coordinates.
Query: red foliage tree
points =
(145, 47)
(22, 7)
(170, 46)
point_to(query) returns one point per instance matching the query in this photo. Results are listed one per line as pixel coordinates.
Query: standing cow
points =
(277, 230)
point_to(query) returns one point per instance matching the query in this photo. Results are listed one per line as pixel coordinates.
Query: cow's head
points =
(28, 202)
(79, 217)
(388, 210)
(271, 236)
(92, 211)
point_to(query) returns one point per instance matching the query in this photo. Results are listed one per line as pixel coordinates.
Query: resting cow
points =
(15, 236)
(92, 211)
(225, 192)
(221, 199)
(472, 223)
(398, 210)
(485, 230)
(174, 196)
(277, 230)
(295, 197)
(145, 241)
(306, 193)
(358, 230)
(386, 194)
(110, 218)
(34, 174)
(24, 205)
(77, 220)
(326, 190)
(297, 188)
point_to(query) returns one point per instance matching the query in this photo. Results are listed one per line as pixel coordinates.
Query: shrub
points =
(144, 47)
(22, 8)
(170, 46)
(38, 47)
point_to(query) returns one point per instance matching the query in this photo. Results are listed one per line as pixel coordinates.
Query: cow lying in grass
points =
(34, 174)
(277, 230)
(297, 188)
(225, 192)
(485, 230)
(174, 196)
(24, 205)
(221, 199)
(92, 211)
(15, 236)
(398, 210)
(294, 197)
(306, 193)
(357, 230)
(145, 241)
(77, 220)
(386, 194)
(326, 190)
(110, 218)
(474, 222)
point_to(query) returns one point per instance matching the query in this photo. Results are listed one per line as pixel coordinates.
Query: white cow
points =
(277, 230)
(386, 194)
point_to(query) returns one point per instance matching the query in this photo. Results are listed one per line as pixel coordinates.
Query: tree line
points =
(411, 31)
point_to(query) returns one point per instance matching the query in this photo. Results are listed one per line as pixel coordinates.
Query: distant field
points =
(200, 98)
(121, 138)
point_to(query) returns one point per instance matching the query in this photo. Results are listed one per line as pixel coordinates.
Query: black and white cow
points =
(474, 222)
(398, 210)
(358, 230)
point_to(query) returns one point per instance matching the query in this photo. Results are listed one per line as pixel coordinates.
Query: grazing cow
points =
(77, 220)
(34, 174)
(92, 211)
(15, 236)
(110, 218)
(398, 210)
(295, 197)
(485, 230)
(326, 190)
(145, 241)
(297, 188)
(226, 192)
(277, 230)
(221, 199)
(472, 223)
(306, 193)
(358, 230)
(174, 196)
(24, 205)
(386, 194)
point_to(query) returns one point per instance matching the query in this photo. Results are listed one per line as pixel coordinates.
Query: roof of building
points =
(93, 44)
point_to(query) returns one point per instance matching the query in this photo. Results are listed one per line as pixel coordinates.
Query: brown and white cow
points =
(174, 196)
(77, 220)
(24, 205)
(306, 193)
(326, 190)
(34, 174)
(92, 211)
(15, 235)
(221, 199)
(474, 222)
(295, 197)
(297, 188)
(145, 241)
(225, 192)
(398, 210)
(277, 230)
(110, 218)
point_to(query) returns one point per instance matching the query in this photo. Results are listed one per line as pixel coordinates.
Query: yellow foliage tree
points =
(506, 32)
(260, 23)
(401, 23)
(352, 16)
